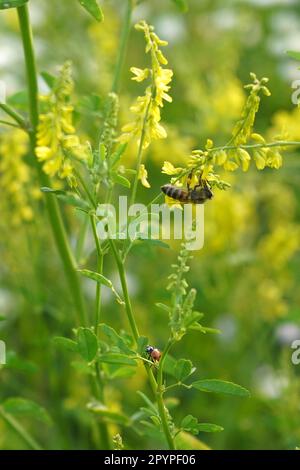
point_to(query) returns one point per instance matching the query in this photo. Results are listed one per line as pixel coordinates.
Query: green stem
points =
(51, 203)
(14, 115)
(279, 143)
(99, 270)
(102, 426)
(123, 47)
(18, 429)
(123, 280)
(160, 401)
(7, 123)
(156, 389)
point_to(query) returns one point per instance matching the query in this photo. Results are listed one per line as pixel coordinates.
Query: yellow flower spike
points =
(147, 107)
(15, 179)
(143, 176)
(57, 142)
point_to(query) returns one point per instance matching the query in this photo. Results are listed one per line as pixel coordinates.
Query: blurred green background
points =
(248, 272)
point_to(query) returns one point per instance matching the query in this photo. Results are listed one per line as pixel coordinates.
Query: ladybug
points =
(154, 353)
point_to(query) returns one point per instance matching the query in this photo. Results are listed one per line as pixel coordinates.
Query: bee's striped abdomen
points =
(176, 193)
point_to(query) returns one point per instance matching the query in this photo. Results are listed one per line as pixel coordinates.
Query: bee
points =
(196, 195)
(154, 353)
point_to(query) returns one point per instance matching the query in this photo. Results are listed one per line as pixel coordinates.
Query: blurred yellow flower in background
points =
(15, 183)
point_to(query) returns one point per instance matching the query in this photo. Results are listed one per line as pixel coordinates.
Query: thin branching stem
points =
(51, 202)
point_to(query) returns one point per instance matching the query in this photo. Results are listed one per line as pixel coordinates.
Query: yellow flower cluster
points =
(14, 177)
(146, 126)
(58, 147)
(235, 154)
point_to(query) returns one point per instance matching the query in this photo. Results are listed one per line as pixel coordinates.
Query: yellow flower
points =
(140, 75)
(147, 108)
(169, 169)
(143, 175)
(58, 147)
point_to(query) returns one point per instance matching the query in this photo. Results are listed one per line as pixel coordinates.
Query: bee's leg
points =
(201, 182)
(189, 180)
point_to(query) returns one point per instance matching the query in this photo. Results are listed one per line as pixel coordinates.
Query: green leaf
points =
(294, 54)
(115, 371)
(209, 427)
(148, 402)
(113, 416)
(73, 201)
(115, 339)
(190, 424)
(48, 79)
(204, 329)
(93, 8)
(87, 343)
(117, 154)
(13, 361)
(154, 242)
(115, 358)
(5, 4)
(96, 277)
(82, 368)
(45, 189)
(183, 369)
(102, 280)
(65, 343)
(221, 386)
(182, 5)
(22, 407)
(119, 179)
(2, 318)
(142, 344)
(19, 100)
(169, 365)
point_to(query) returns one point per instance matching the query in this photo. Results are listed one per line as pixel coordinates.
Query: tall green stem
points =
(51, 203)
(99, 270)
(156, 388)
(19, 430)
(160, 401)
(127, 301)
(123, 47)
